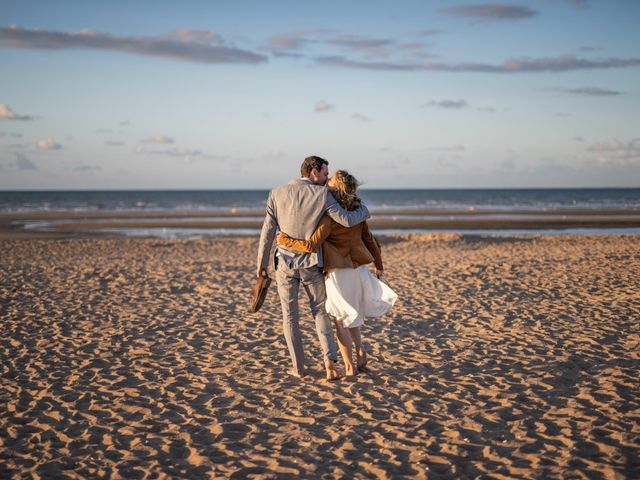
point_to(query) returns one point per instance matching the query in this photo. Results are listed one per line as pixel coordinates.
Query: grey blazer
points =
(296, 209)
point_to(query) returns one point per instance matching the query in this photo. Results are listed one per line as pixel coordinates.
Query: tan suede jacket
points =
(342, 247)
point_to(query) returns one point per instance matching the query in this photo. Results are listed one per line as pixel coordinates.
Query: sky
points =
(403, 94)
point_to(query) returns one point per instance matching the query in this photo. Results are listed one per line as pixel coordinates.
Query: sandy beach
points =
(505, 357)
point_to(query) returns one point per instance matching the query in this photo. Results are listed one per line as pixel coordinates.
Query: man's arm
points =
(342, 216)
(267, 235)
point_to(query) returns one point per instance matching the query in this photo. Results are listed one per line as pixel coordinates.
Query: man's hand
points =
(261, 272)
(379, 273)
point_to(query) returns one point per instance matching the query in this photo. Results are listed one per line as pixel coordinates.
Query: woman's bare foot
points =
(350, 370)
(332, 373)
(361, 359)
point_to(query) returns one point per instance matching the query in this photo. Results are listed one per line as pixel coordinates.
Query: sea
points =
(424, 202)
(379, 200)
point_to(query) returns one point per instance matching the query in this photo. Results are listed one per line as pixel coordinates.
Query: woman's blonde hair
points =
(344, 190)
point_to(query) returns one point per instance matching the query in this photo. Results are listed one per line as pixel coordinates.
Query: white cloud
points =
(158, 140)
(202, 37)
(115, 143)
(322, 106)
(7, 113)
(614, 151)
(48, 144)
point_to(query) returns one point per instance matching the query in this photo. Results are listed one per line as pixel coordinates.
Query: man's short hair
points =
(310, 163)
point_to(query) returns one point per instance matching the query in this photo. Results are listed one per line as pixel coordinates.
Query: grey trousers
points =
(312, 279)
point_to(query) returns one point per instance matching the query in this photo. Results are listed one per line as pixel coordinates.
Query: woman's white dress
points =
(354, 294)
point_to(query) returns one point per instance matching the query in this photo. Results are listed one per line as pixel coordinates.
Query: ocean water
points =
(378, 200)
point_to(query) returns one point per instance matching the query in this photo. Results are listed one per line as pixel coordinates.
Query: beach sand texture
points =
(503, 358)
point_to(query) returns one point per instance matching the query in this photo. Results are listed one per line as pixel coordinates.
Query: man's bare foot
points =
(361, 359)
(332, 373)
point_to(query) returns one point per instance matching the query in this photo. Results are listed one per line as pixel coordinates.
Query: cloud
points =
(588, 91)
(565, 63)
(578, 139)
(490, 11)
(7, 113)
(202, 37)
(579, 3)
(294, 40)
(289, 44)
(615, 145)
(10, 134)
(359, 43)
(360, 117)
(451, 148)
(430, 32)
(124, 123)
(198, 46)
(48, 144)
(614, 151)
(448, 104)
(487, 109)
(179, 152)
(104, 130)
(186, 154)
(158, 140)
(85, 168)
(322, 106)
(339, 61)
(291, 41)
(275, 155)
(115, 143)
(24, 163)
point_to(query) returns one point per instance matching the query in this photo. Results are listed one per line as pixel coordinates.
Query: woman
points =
(353, 292)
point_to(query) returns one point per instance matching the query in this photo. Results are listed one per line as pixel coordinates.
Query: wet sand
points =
(503, 358)
(100, 223)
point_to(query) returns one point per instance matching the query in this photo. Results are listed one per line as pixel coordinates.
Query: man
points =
(296, 209)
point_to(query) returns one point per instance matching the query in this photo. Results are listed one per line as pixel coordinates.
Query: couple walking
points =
(324, 245)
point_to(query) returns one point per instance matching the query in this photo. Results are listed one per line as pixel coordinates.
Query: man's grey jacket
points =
(296, 209)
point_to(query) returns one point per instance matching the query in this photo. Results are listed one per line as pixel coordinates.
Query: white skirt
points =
(355, 293)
